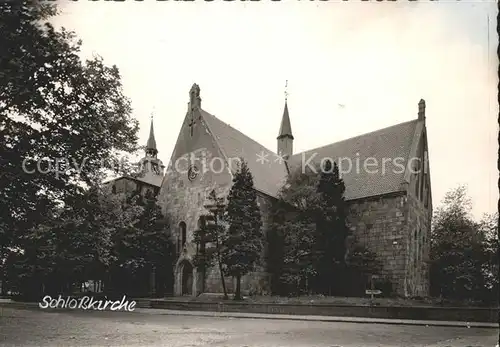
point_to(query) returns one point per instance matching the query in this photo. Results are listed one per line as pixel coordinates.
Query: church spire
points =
(285, 137)
(151, 144)
(285, 128)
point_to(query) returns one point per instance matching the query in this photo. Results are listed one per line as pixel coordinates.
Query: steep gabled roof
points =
(152, 180)
(390, 149)
(268, 176)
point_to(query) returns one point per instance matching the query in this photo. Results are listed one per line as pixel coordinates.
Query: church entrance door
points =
(187, 278)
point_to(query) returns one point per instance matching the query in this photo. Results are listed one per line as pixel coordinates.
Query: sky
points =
(376, 59)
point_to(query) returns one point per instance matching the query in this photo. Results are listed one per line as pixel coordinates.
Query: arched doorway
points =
(186, 278)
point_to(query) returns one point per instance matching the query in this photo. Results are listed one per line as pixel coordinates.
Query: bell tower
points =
(150, 164)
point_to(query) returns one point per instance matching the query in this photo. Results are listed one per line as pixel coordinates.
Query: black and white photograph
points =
(233, 173)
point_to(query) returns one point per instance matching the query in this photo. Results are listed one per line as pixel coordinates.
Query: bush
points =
(384, 284)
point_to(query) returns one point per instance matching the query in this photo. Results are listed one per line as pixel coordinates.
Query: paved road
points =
(22, 327)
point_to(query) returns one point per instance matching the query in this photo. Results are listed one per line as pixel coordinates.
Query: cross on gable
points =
(191, 125)
(194, 103)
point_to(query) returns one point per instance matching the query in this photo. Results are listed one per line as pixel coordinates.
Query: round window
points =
(192, 173)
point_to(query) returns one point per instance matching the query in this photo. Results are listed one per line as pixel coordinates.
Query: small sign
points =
(373, 292)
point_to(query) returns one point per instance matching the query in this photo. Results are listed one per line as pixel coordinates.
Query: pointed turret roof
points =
(285, 128)
(151, 145)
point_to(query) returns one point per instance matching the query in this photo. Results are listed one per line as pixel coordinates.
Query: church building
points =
(389, 211)
(149, 175)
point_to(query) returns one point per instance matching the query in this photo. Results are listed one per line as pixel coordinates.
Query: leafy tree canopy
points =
(61, 119)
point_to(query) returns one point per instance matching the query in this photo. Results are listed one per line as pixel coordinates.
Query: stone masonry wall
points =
(419, 247)
(380, 225)
(419, 212)
(183, 201)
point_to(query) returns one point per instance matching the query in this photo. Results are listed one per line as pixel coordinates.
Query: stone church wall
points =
(418, 247)
(380, 225)
(183, 200)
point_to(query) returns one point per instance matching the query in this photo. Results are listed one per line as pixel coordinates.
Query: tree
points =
(318, 201)
(243, 244)
(73, 243)
(144, 249)
(458, 252)
(61, 119)
(331, 228)
(156, 242)
(361, 264)
(30, 267)
(294, 226)
(209, 238)
(276, 247)
(489, 228)
(299, 258)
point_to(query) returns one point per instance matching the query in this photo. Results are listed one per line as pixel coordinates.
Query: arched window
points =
(182, 232)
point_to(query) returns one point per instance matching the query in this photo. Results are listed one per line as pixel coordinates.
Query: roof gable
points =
(388, 148)
(268, 176)
(385, 153)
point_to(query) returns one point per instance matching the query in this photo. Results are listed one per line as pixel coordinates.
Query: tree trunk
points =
(222, 279)
(203, 277)
(237, 295)
(152, 282)
(3, 277)
(219, 260)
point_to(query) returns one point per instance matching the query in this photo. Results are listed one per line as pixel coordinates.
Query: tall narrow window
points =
(422, 180)
(417, 178)
(415, 248)
(182, 231)
(201, 227)
(419, 246)
(426, 198)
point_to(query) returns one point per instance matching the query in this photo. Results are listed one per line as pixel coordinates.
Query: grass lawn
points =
(319, 299)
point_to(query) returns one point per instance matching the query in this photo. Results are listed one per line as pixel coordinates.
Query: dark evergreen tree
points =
(276, 247)
(295, 227)
(144, 249)
(299, 260)
(361, 265)
(155, 244)
(331, 229)
(209, 238)
(72, 244)
(243, 245)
